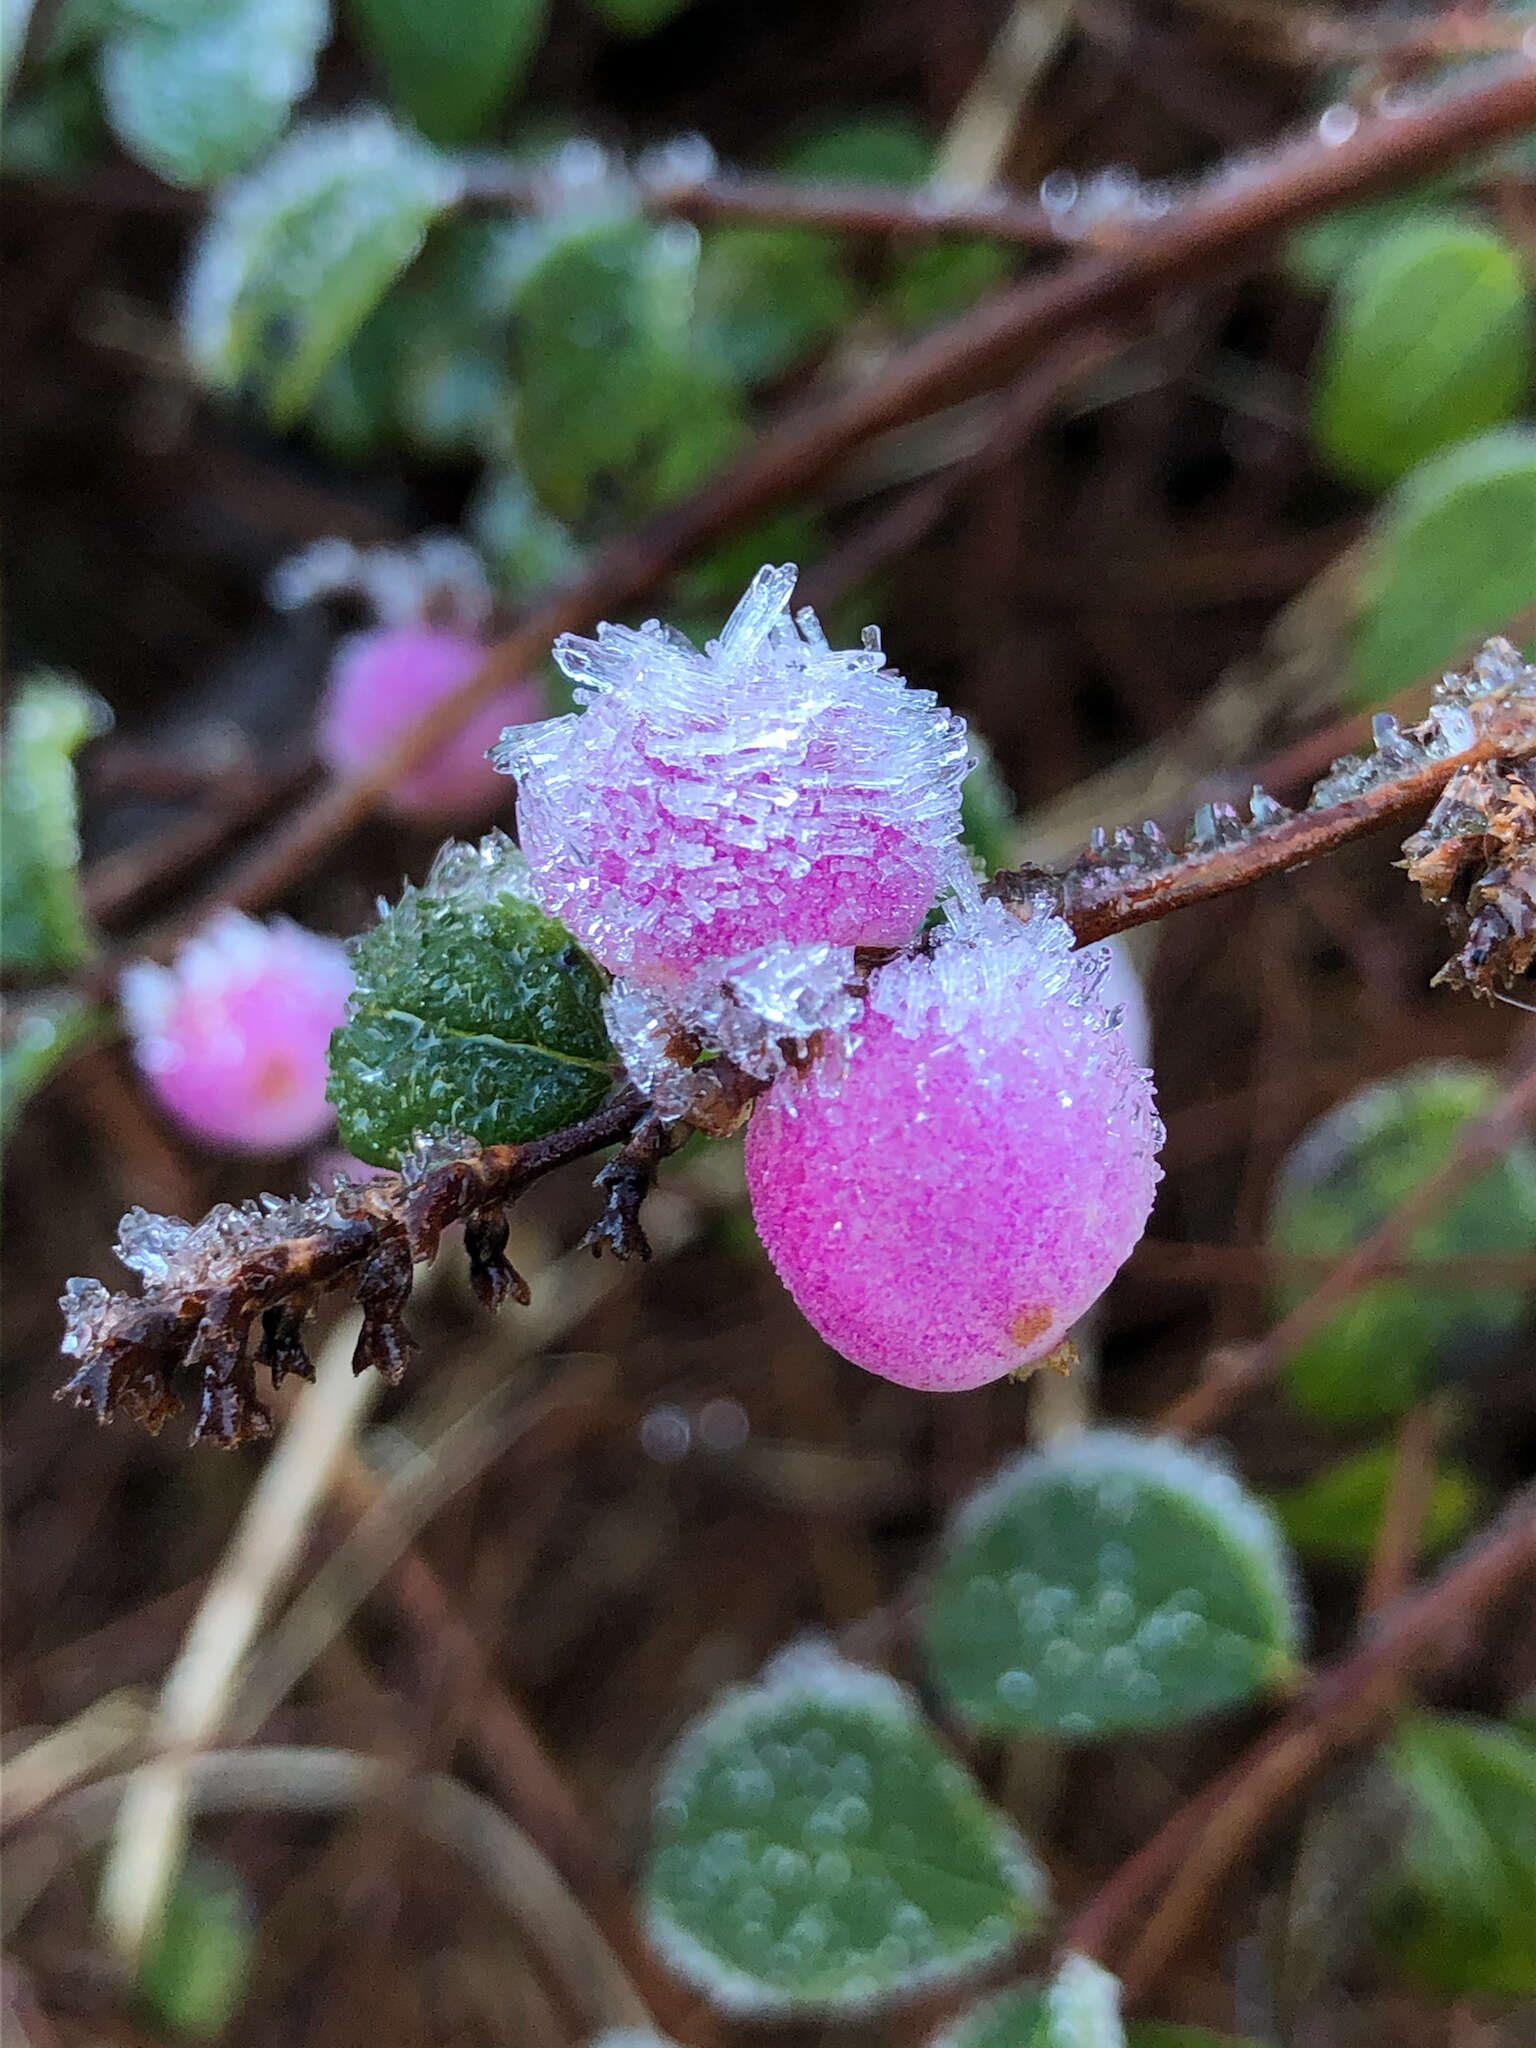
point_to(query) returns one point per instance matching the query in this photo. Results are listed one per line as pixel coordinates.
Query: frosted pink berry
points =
(383, 681)
(701, 807)
(232, 1039)
(945, 1201)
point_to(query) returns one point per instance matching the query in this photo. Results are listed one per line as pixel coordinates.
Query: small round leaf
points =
(472, 1011)
(1455, 559)
(182, 89)
(297, 253)
(815, 1849)
(1459, 1910)
(1336, 1515)
(1428, 340)
(453, 63)
(1388, 1343)
(1113, 1583)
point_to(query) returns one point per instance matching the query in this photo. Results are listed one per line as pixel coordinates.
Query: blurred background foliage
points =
(278, 273)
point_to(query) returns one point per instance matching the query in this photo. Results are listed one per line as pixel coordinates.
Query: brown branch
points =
(724, 198)
(1213, 1265)
(269, 1262)
(1102, 897)
(1232, 224)
(1237, 1371)
(1406, 1508)
(1190, 1856)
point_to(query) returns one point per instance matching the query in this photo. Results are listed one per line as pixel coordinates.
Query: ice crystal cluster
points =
(947, 1202)
(700, 807)
(231, 1039)
(432, 603)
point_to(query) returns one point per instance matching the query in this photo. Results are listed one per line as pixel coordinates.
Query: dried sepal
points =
(261, 1267)
(626, 1181)
(1476, 855)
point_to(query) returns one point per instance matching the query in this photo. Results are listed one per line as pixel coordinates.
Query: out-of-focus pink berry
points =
(949, 1197)
(232, 1039)
(384, 681)
(701, 807)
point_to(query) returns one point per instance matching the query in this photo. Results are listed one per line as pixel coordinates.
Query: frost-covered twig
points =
(1479, 722)
(207, 1285)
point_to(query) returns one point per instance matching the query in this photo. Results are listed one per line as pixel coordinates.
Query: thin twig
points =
(1237, 1370)
(1406, 1510)
(302, 1780)
(1210, 1265)
(150, 1831)
(1189, 1857)
(1234, 223)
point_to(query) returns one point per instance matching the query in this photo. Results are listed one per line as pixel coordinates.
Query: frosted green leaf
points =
(452, 63)
(1336, 1515)
(473, 1012)
(767, 296)
(42, 915)
(14, 16)
(1455, 559)
(196, 1973)
(815, 1850)
(196, 88)
(1459, 1910)
(619, 411)
(1112, 1583)
(1014, 2019)
(295, 255)
(1428, 340)
(1391, 1341)
(42, 1032)
(638, 17)
(527, 551)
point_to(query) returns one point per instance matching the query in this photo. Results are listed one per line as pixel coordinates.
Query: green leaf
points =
(472, 1012)
(989, 817)
(42, 915)
(296, 254)
(55, 129)
(1078, 2008)
(1428, 341)
(1112, 1583)
(1015, 2018)
(1336, 1515)
(815, 1850)
(933, 283)
(1460, 1909)
(619, 411)
(42, 1032)
(14, 17)
(1455, 560)
(768, 296)
(184, 90)
(638, 17)
(1320, 251)
(526, 550)
(195, 1976)
(872, 148)
(1390, 1342)
(452, 63)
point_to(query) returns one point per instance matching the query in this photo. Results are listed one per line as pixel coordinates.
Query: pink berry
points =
(945, 1201)
(383, 681)
(232, 1039)
(701, 807)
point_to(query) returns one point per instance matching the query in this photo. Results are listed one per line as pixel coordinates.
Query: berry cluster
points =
(970, 1157)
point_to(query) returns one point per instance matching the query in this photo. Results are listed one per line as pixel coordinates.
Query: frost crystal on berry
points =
(232, 1039)
(700, 807)
(951, 1201)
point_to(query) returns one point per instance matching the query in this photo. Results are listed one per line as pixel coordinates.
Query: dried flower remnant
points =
(703, 806)
(231, 1039)
(946, 1206)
